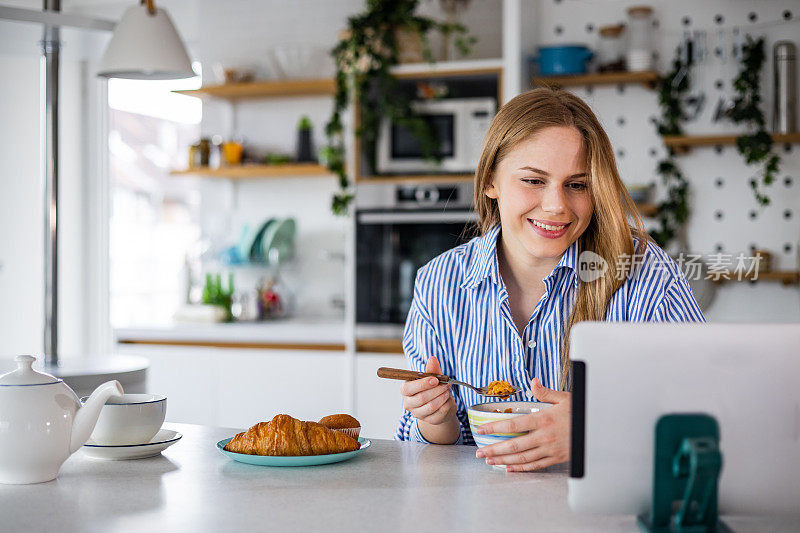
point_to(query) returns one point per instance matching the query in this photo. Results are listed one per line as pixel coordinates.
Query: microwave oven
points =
(460, 124)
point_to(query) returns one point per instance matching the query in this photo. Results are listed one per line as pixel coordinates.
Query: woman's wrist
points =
(447, 432)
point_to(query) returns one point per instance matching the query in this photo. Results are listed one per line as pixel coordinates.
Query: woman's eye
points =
(578, 186)
(533, 181)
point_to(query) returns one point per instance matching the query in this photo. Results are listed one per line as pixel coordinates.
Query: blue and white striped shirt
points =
(460, 313)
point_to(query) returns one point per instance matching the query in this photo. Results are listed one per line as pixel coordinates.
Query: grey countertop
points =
(391, 486)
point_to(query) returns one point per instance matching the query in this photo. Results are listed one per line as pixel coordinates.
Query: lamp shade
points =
(145, 47)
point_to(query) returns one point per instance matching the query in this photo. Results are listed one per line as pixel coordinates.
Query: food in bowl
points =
(509, 410)
(288, 436)
(483, 413)
(502, 389)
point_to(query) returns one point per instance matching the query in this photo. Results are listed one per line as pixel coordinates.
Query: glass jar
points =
(274, 298)
(204, 150)
(640, 46)
(611, 49)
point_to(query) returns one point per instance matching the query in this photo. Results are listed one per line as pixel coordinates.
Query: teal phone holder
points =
(685, 476)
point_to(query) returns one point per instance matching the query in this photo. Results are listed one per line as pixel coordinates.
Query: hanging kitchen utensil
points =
(725, 103)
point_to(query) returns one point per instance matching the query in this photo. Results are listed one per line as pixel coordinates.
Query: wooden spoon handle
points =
(408, 375)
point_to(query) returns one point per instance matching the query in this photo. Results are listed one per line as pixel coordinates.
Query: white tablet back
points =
(745, 375)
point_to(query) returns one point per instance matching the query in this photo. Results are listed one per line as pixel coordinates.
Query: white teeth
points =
(548, 227)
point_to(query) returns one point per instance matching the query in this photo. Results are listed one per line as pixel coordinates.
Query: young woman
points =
(501, 306)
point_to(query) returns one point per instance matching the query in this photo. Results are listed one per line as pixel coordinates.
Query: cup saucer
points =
(162, 440)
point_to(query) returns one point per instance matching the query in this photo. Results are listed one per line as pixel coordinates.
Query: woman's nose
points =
(553, 200)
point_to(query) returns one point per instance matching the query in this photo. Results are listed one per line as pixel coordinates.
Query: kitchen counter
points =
(392, 486)
(297, 333)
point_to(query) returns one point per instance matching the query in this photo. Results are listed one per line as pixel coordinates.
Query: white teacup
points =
(129, 419)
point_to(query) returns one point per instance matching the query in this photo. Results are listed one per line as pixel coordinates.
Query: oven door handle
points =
(416, 218)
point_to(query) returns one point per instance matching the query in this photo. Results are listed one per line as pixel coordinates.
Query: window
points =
(153, 218)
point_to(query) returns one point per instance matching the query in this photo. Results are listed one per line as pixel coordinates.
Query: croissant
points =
(284, 435)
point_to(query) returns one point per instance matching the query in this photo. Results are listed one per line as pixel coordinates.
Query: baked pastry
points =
(287, 436)
(343, 423)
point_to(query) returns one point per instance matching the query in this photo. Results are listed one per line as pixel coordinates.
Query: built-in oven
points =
(399, 228)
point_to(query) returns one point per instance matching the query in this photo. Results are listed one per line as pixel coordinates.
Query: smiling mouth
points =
(548, 227)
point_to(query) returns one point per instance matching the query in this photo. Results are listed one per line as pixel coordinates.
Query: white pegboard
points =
(725, 216)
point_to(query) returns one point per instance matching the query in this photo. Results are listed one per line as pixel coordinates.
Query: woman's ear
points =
(490, 191)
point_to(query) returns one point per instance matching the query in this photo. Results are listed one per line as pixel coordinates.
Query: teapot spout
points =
(86, 417)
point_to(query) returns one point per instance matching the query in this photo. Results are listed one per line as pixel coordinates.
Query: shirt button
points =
(531, 344)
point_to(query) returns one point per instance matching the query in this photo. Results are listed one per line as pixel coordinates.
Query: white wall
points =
(736, 231)
(22, 214)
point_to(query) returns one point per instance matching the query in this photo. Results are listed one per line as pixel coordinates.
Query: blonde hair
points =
(609, 234)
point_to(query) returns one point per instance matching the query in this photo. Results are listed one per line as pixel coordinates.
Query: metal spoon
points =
(409, 375)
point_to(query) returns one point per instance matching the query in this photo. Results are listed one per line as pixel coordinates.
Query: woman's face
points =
(542, 192)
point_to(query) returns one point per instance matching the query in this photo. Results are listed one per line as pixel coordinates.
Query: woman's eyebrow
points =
(544, 173)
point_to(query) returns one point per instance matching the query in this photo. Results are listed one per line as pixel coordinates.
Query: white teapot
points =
(42, 422)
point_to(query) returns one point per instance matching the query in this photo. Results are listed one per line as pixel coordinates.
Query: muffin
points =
(343, 423)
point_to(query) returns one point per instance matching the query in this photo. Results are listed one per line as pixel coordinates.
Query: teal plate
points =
(298, 460)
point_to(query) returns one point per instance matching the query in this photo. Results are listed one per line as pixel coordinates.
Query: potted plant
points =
(305, 146)
(364, 55)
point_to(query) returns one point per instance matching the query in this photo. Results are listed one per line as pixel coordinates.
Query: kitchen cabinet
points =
(186, 376)
(255, 385)
(239, 387)
(378, 401)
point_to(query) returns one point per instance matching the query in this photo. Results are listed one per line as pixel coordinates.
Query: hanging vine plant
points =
(367, 51)
(756, 148)
(673, 211)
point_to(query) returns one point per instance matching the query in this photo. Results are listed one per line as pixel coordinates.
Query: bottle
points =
(209, 294)
(784, 117)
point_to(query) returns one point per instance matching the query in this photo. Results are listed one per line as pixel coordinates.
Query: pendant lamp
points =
(145, 46)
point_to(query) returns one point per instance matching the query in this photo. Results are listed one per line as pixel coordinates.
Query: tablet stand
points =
(686, 471)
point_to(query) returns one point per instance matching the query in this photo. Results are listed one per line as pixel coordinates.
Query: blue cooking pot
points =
(557, 60)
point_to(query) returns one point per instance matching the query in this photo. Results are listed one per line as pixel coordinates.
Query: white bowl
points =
(302, 61)
(483, 413)
(129, 419)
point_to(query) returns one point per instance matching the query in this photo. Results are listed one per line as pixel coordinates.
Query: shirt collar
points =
(484, 263)
(568, 262)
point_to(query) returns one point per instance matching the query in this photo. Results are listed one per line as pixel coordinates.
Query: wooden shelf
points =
(684, 143)
(380, 345)
(647, 78)
(469, 67)
(786, 277)
(265, 89)
(438, 178)
(647, 210)
(258, 171)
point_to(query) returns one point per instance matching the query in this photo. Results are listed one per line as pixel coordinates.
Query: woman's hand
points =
(546, 444)
(432, 405)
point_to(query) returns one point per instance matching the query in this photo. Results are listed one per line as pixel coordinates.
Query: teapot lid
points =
(25, 374)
